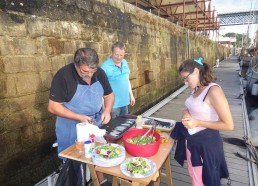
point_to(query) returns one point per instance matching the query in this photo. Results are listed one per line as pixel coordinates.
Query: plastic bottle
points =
(139, 122)
(88, 149)
(92, 138)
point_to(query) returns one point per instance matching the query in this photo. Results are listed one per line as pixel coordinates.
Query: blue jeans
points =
(119, 111)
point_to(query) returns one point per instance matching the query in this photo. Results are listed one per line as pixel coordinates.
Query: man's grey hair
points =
(118, 44)
(86, 56)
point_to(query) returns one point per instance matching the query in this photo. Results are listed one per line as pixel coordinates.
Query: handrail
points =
(252, 167)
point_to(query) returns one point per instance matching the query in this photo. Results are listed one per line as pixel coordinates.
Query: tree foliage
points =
(239, 39)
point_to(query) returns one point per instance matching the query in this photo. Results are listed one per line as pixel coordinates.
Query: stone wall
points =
(37, 37)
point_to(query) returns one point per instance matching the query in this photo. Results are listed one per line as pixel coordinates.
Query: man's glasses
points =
(87, 72)
(186, 77)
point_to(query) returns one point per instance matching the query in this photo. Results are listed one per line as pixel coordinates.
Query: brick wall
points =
(37, 37)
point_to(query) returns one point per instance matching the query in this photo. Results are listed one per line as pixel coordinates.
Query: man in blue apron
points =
(76, 95)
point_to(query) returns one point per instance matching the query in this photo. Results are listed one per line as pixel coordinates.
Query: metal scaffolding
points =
(196, 15)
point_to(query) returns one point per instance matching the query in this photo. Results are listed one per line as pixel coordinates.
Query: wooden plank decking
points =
(228, 79)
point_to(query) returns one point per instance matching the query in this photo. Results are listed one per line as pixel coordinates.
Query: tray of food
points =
(116, 128)
(163, 125)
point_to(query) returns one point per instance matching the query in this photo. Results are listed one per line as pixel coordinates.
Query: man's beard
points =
(85, 78)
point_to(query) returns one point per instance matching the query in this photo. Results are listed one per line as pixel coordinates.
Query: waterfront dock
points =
(242, 172)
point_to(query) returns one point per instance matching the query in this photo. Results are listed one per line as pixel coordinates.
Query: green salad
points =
(108, 151)
(138, 166)
(144, 141)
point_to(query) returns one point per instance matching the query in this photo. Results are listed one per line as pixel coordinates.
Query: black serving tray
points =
(116, 128)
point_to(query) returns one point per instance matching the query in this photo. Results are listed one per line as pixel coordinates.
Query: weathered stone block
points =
(6, 46)
(70, 30)
(40, 112)
(70, 47)
(27, 83)
(20, 103)
(7, 85)
(97, 8)
(85, 5)
(18, 64)
(26, 133)
(12, 142)
(141, 90)
(19, 119)
(42, 45)
(42, 64)
(95, 45)
(132, 46)
(101, 1)
(97, 35)
(87, 33)
(41, 97)
(38, 127)
(52, 29)
(118, 4)
(23, 46)
(57, 62)
(12, 25)
(141, 104)
(43, 136)
(69, 2)
(4, 110)
(135, 83)
(134, 39)
(107, 44)
(129, 8)
(103, 21)
(68, 58)
(102, 58)
(46, 79)
(56, 46)
(38, 27)
(134, 73)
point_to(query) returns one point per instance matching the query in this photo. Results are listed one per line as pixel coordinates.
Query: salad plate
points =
(138, 167)
(108, 155)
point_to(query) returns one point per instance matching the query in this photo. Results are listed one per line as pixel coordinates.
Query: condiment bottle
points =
(139, 122)
(92, 138)
(88, 149)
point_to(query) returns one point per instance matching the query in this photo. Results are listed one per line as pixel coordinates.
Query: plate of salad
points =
(108, 155)
(138, 167)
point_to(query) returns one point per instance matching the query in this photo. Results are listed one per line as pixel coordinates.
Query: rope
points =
(252, 149)
(229, 181)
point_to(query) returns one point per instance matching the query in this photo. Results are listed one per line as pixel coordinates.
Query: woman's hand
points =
(185, 113)
(189, 122)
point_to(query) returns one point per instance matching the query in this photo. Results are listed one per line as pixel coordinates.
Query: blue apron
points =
(87, 100)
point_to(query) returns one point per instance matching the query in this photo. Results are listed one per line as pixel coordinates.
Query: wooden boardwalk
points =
(228, 79)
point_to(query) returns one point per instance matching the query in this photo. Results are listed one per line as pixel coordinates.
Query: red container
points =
(141, 150)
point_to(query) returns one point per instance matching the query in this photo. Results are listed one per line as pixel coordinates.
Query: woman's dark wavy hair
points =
(205, 72)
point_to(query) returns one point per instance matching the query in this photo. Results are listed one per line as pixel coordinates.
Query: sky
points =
(224, 6)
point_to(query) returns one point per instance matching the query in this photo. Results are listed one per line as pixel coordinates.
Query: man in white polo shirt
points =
(117, 71)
